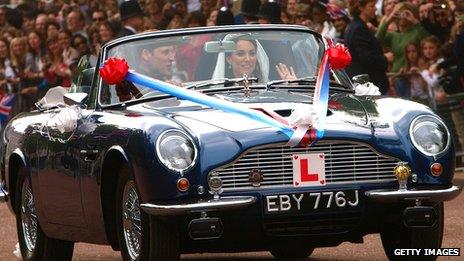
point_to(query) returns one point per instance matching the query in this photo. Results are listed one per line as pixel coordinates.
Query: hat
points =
(250, 7)
(129, 9)
(336, 12)
(270, 11)
(225, 17)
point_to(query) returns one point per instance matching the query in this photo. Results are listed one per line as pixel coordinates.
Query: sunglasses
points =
(99, 19)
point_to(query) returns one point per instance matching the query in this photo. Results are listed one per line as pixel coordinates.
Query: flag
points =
(6, 105)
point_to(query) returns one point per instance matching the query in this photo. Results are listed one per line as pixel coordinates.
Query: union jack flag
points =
(6, 104)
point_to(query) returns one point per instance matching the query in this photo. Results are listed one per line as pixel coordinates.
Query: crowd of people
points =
(412, 49)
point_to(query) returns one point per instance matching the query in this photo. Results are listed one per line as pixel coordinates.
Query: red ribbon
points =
(114, 70)
(339, 57)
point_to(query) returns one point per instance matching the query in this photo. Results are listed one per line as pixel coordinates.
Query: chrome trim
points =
(413, 140)
(362, 158)
(3, 193)
(223, 203)
(195, 150)
(438, 195)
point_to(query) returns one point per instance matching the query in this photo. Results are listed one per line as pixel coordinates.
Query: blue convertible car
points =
(156, 174)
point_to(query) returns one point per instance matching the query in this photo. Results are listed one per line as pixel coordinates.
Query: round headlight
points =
(429, 135)
(176, 150)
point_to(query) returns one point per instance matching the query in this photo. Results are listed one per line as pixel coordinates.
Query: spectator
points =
(340, 21)
(211, 21)
(37, 54)
(51, 27)
(56, 72)
(437, 19)
(131, 18)
(20, 61)
(320, 21)
(79, 43)
(75, 23)
(40, 22)
(302, 16)
(291, 11)
(107, 32)
(388, 7)
(409, 82)
(225, 17)
(3, 10)
(410, 30)
(429, 61)
(99, 16)
(365, 49)
(248, 12)
(7, 75)
(195, 19)
(70, 55)
(269, 13)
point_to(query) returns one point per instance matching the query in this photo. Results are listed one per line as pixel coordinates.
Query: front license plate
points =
(311, 201)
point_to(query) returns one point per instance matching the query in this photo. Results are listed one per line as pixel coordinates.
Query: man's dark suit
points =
(124, 32)
(367, 54)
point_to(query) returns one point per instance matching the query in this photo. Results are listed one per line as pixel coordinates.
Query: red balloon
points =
(339, 57)
(114, 70)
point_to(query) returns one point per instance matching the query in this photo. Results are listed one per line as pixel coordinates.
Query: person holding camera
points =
(410, 30)
(437, 19)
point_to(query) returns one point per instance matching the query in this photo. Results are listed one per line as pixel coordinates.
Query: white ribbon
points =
(366, 89)
(302, 118)
(66, 119)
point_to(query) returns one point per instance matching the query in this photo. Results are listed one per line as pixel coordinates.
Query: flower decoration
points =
(339, 57)
(114, 70)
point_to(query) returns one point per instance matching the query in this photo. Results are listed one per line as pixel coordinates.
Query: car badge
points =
(255, 177)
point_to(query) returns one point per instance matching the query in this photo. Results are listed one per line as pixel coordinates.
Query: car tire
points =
(33, 242)
(132, 223)
(396, 235)
(291, 252)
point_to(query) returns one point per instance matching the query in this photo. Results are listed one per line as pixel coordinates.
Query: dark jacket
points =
(124, 32)
(367, 54)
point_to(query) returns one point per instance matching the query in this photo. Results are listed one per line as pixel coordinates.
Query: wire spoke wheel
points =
(28, 216)
(132, 224)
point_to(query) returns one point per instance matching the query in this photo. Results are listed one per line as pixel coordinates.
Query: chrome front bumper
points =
(223, 203)
(439, 195)
(3, 194)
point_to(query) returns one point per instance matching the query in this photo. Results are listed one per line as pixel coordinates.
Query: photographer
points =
(437, 19)
(410, 30)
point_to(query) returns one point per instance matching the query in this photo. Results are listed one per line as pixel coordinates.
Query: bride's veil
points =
(262, 58)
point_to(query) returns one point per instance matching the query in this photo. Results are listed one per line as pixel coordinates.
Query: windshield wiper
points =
(307, 80)
(310, 79)
(225, 81)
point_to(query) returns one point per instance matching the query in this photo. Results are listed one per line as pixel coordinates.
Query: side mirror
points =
(361, 79)
(220, 46)
(75, 98)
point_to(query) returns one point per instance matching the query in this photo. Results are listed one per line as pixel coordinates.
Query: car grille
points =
(344, 163)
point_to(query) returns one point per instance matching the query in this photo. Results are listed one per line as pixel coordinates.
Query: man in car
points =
(158, 62)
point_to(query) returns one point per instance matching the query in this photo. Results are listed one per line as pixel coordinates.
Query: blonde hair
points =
(18, 61)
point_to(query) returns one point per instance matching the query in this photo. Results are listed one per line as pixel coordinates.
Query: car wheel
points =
(142, 237)
(291, 252)
(33, 242)
(397, 235)
(132, 222)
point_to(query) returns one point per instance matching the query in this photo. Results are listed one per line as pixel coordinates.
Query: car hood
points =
(343, 108)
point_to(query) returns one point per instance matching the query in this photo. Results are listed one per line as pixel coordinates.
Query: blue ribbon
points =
(321, 96)
(206, 100)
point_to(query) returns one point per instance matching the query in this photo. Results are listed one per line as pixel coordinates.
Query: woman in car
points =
(250, 59)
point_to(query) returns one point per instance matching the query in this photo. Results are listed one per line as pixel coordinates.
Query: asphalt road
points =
(371, 249)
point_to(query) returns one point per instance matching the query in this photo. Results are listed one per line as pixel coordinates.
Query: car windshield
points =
(215, 58)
